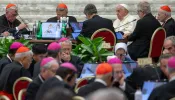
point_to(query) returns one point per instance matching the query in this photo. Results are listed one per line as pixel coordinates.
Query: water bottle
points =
(34, 30)
(138, 95)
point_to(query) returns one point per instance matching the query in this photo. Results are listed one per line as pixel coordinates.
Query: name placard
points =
(144, 61)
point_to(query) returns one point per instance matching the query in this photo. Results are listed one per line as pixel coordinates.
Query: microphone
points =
(126, 23)
(23, 21)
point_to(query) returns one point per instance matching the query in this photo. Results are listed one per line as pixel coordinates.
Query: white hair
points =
(107, 94)
(66, 41)
(144, 6)
(165, 12)
(23, 54)
(49, 64)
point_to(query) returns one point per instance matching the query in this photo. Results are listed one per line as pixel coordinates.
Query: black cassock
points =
(33, 88)
(170, 27)
(164, 92)
(49, 84)
(10, 74)
(3, 62)
(92, 87)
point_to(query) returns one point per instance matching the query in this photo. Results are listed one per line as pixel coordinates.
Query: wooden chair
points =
(4, 97)
(22, 94)
(20, 87)
(108, 35)
(172, 98)
(156, 43)
(82, 82)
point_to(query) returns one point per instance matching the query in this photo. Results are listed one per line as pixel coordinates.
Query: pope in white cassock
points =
(124, 22)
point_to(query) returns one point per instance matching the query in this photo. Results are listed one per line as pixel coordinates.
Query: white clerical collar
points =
(41, 78)
(58, 77)
(9, 57)
(172, 79)
(101, 81)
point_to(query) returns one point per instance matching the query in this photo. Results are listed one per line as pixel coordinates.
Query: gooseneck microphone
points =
(126, 23)
(23, 22)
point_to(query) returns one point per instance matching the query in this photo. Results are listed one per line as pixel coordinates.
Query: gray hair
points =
(24, 54)
(144, 7)
(49, 64)
(171, 38)
(67, 41)
(165, 56)
(90, 9)
(165, 12)
(107, 94)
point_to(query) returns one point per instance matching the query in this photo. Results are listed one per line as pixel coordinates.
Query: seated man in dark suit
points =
(166, 91)
(62, 11)
(103, 80)
(9, 23)
(16, 69)
(94, 21)
(66, 56)
(53, 50)
(143, 31)
(65, 77)
(164, 15)
(10, 56)
(48, 68)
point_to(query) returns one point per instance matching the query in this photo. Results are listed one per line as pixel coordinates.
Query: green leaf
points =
(108, 53)
(84, 40)
(87, 48)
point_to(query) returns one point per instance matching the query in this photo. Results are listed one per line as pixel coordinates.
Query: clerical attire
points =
(51, 83)
(54, 19)
(4, 61)
(92, 87)
(169, 27)
(34, 87)
(10, 74)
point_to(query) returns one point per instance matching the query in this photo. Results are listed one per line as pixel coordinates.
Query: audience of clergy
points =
(62, 11)
(65, 77)
(66, 56)
(48, 68)
(9, 23)
(94, 21)
(103, 79)
(164, 16)
(166, 91)
(143, 31)
(7, 59)
(16, 69)
(39, 52)
(123, 17)
(53, 50)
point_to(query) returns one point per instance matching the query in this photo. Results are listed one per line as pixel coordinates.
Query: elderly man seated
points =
(16, 69)
(125, 22)
(48, 67)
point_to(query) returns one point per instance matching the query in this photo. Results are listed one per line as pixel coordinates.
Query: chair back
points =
(157, 41)
(82, 82)
(22, 94)
(108, 35)
(20, 84)
(172, 98)
(78, 98)
(4, 97)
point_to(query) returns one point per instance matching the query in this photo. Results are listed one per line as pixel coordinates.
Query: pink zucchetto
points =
(69, 66)
(54, 46)
(46, 60)
(16, 45)
(171, 62)
(114, 61)
(62, 39)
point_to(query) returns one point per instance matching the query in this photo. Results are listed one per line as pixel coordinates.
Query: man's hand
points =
(65, 57)
(5, 34)
(22, 26)
(125, 36)
(121, 80)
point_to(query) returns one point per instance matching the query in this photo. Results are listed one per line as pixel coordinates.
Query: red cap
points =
(22, 49)
(10, 5)
(103, 68)
(62, 5)
(165, 8)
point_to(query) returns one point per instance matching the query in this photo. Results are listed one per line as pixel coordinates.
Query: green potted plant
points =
(6, 42)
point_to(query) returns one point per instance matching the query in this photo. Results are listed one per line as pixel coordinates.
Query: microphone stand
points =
(126, 24)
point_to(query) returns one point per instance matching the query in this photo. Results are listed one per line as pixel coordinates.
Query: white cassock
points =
(128, 28)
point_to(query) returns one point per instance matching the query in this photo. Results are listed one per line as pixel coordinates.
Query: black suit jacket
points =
(164, 92)
(3, 62)
(33, 88)
(169, 27)
(54, 19)
(92, 87)
(50, 84)
(36, 69)
(141, 36)
(10, 74)
(95, 23)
